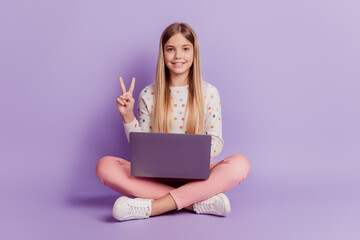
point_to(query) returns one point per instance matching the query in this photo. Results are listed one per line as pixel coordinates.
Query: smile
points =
(178, 64)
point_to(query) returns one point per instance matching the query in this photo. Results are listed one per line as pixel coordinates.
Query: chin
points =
(179, 73)
(176, 70)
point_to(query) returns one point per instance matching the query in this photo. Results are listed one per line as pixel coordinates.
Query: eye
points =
(187, 49)
(169, 49)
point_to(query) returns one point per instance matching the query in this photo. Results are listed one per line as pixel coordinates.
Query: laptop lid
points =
(170, 155)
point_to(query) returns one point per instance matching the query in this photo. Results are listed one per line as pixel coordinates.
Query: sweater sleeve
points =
(213, 122)
(143, 113)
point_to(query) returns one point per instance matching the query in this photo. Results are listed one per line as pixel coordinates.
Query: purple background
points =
(287, 73)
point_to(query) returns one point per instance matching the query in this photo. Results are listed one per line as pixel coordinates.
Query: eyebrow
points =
(182, 45)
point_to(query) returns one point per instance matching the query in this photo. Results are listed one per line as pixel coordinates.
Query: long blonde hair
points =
(195, 104)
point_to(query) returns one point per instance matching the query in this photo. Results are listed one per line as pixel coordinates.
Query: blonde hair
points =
(194, 111)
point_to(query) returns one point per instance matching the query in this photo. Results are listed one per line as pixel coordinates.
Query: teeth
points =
(178, 64)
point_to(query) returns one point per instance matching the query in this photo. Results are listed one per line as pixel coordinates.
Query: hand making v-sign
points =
(125, 102)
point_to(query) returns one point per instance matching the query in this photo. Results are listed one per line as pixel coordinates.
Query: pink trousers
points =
(115, 173)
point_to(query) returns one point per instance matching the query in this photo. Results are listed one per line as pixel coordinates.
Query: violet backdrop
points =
(288, 77)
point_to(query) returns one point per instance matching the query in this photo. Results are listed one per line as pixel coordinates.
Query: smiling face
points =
(178, 55)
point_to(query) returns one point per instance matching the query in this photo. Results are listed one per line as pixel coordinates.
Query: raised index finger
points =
(123, 89)
(131, 89)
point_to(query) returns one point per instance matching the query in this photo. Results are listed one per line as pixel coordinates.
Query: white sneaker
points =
(216, 205)
(127, 208)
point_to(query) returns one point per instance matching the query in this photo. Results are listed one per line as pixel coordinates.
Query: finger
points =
(122, 85)
(131, 89)
(127, 96)
(124, 97)
(121, 98)
(121, 102)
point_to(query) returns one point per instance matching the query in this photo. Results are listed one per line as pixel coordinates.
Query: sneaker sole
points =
(226, 201)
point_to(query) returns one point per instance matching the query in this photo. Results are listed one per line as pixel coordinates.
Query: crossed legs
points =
(115, 173)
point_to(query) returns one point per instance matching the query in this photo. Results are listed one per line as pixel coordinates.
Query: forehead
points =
(178, 40)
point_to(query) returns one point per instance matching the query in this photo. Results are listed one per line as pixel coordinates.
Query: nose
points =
(177, 55)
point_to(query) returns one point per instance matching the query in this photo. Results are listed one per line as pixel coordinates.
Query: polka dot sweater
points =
(212, 105)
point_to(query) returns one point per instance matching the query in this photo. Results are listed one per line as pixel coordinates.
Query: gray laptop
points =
(170, 155)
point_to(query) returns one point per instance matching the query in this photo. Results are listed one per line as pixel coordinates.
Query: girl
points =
(178, 102)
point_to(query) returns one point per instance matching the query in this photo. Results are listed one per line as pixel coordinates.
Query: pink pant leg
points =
(224, 175)
(115, 173)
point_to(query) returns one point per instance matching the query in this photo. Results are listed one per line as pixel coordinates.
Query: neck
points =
(179, 80)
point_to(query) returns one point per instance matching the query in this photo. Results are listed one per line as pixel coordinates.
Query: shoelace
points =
(207, 206)
(139, 208)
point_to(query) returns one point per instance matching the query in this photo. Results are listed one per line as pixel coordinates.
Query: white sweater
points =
(212, 105)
